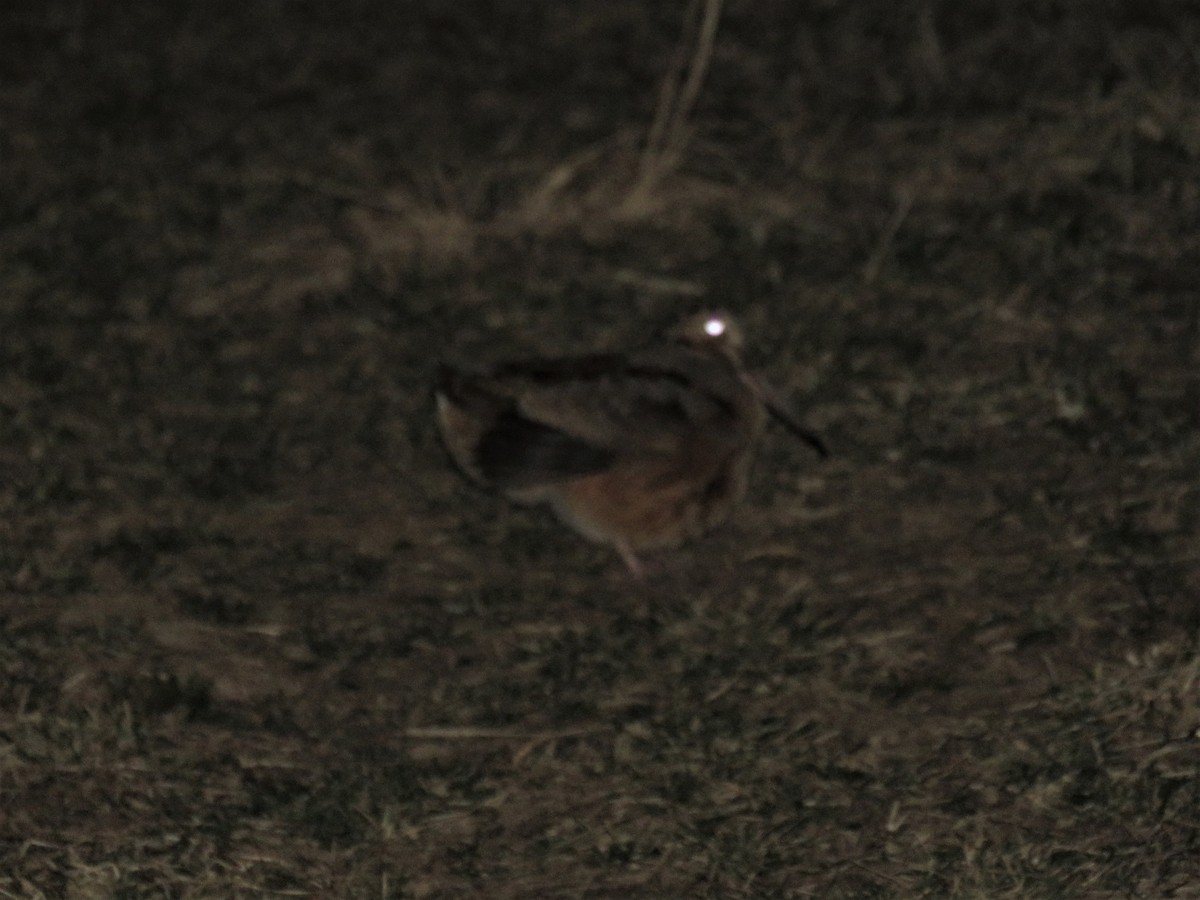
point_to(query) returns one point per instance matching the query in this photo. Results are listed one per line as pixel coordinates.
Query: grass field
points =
(259, 639)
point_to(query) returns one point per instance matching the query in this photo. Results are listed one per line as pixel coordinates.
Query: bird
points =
(641, 450)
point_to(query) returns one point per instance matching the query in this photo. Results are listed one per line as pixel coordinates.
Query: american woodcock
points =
(639, 450)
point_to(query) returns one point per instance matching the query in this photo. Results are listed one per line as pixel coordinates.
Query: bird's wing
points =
(540, 422)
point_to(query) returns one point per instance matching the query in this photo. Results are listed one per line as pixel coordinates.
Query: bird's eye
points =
(714, 327)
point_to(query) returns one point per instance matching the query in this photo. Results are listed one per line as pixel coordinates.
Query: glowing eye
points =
(714, 327)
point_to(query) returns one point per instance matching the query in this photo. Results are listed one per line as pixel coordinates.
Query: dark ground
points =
(258, 637)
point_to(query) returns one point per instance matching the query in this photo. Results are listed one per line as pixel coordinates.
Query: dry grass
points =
(258, 639)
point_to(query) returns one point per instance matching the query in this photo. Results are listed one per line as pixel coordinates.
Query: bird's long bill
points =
(779, 408)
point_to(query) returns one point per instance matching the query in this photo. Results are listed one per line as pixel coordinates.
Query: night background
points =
(259, 638)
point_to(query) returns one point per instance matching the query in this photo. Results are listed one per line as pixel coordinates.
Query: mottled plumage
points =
(639, 450)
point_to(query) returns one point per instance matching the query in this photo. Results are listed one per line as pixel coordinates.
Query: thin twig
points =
(883, 246)
(699, 68)
(667, 136)
(474, 733)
